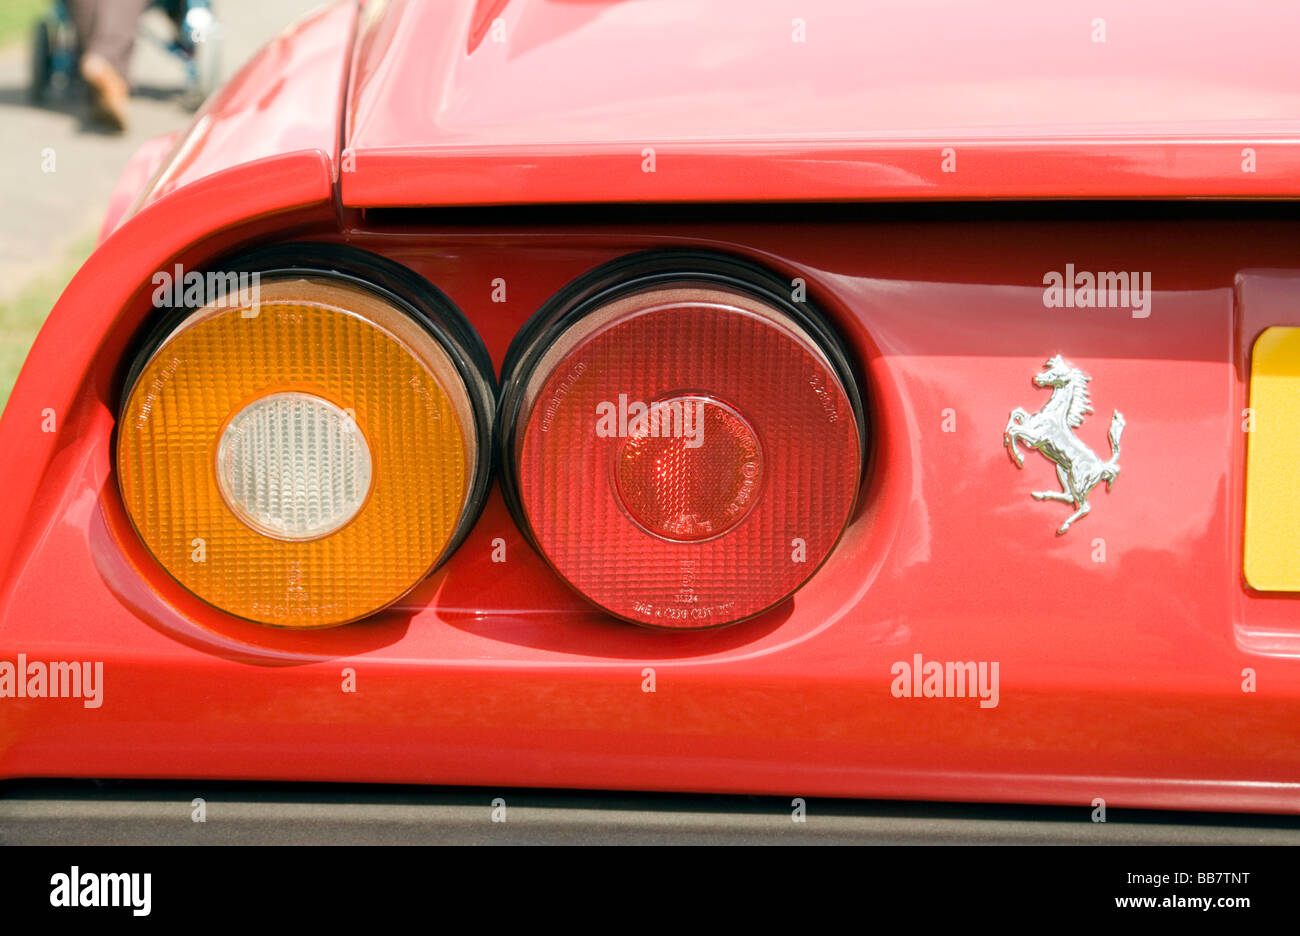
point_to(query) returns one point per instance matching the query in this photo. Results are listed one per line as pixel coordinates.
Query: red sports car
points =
(806, 399)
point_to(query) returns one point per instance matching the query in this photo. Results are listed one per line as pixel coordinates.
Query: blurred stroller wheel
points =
(42, 61)
(201, 37)
(207, 69)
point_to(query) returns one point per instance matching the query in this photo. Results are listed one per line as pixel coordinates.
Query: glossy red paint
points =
(565, 108)
(1118, 679)
(140, 170)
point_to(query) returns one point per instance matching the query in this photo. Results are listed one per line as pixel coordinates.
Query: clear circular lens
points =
(293, 466)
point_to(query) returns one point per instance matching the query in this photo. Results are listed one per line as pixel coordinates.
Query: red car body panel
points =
(1120, 679)
(563, 110)
(141, 169)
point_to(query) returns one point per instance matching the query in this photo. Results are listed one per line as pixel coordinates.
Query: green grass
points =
(21, 317)
(16, 18)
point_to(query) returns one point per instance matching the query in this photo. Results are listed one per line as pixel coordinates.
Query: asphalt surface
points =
(46, 213)
(135, 813)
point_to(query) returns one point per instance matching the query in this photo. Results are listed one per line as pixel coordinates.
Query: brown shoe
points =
(108, 88)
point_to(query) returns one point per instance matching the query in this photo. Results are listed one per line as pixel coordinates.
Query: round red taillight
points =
(681, 442)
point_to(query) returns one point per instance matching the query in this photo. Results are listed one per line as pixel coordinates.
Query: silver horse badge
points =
(1077, 466)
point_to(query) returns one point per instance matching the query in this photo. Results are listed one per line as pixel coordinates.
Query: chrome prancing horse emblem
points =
(1077, 466)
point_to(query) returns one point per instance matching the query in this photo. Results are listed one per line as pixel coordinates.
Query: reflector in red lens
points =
(694, 485)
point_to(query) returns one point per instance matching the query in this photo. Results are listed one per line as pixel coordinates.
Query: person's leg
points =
(106, 34)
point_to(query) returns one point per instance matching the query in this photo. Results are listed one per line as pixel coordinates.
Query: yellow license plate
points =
(1272, 548)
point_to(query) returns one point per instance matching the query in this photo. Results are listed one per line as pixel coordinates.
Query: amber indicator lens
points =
(303, 461)
(684, 455)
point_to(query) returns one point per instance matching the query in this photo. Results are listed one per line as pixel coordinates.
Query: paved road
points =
(82, 813)
(44, 214)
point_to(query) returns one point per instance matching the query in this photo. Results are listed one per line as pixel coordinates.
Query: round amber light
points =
(300, 461)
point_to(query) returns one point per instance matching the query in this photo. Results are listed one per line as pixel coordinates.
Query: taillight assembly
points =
(303, 453)
(680, 440)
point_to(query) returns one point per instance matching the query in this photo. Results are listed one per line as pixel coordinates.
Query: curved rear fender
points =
(261, 156)
(63, 403)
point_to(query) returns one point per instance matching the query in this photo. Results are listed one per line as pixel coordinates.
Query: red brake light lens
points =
(684, 446)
